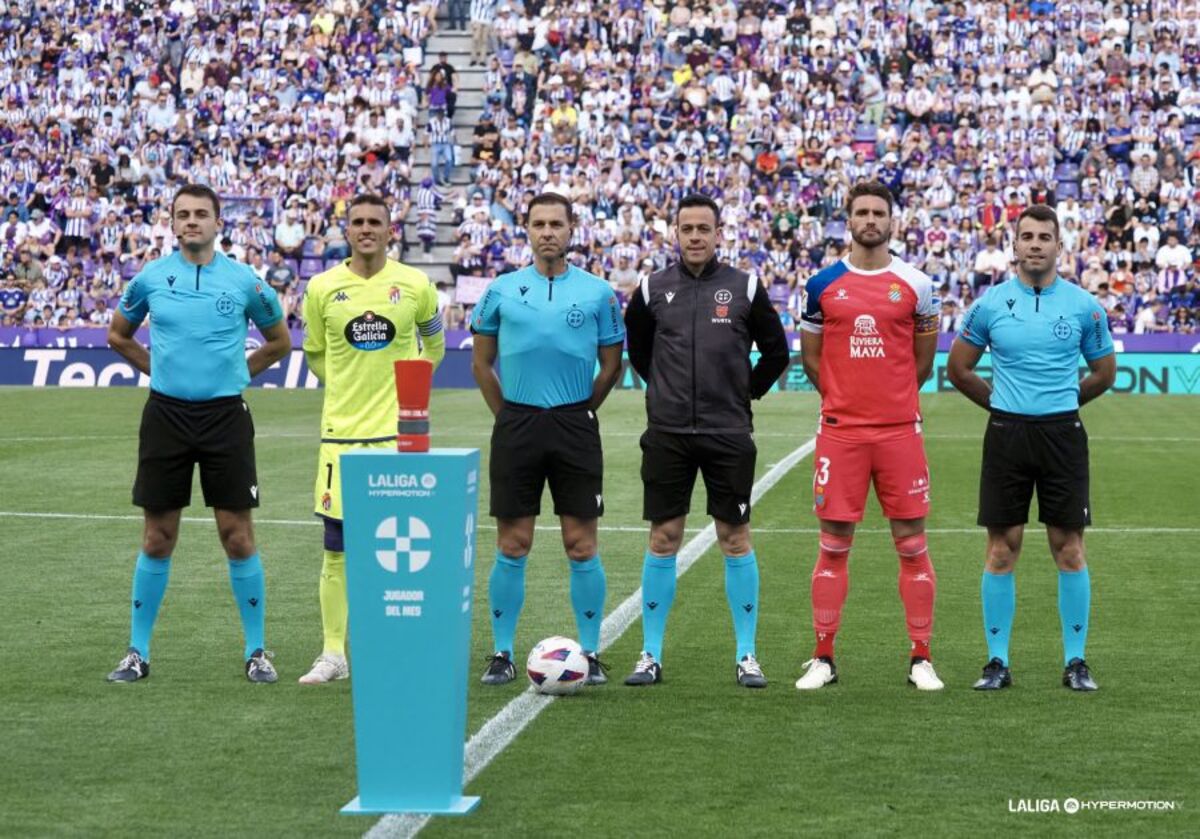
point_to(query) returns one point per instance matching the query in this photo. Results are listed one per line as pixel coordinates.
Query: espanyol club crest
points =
(394, 295)
(894, 292)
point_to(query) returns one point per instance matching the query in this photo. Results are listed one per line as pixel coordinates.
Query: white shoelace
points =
(129, 661)
(644, 663)
(750, 666)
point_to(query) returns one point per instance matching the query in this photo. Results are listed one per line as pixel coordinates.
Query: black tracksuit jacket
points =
(690, 338)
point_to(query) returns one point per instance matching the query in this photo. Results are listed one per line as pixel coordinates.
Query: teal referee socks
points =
(150, 577)
(1074, 604)
(506, 596)
(741, 589)
(250, 591)
(658, 593)
(588, 588)
(998, 593)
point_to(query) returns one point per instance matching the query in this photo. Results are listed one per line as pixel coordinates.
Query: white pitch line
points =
(499, 731)
(313, 522)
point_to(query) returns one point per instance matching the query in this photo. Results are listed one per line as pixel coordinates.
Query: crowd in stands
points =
(968, 111)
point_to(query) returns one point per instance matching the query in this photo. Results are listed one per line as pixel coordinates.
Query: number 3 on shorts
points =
(821, 473)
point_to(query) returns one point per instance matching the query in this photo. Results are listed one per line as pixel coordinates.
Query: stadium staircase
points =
(457, 46)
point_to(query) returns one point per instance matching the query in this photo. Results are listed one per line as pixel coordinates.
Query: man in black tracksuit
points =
(691, 327)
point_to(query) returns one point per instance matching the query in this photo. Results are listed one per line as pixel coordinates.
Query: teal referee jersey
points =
(548, 330)
(198, 323)
(1036, 337)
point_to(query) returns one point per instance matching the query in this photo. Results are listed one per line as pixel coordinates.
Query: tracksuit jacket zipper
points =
(695, 308)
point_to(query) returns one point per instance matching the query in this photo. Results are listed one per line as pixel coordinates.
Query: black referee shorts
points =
(1022, 453)
(217, 434)
(532, 445)
(669, 465)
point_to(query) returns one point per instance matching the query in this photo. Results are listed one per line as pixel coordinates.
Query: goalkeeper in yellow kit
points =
(360, 317)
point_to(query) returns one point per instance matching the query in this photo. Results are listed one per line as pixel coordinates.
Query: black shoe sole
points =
(1001, 686)
(643, 684)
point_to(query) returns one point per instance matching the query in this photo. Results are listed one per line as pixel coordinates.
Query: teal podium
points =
(410, 566)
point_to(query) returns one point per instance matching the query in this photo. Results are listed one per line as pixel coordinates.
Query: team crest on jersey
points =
(370, 331)
(394, 295)
(894, 292)
(225, 305)
(575, 317)
(723, 296)
(841, 295)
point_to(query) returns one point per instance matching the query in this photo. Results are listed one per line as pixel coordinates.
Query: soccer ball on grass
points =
(557, 666)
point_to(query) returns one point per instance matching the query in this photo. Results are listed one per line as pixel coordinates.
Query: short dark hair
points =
(862, 189)
(698, 199)
(552, 198)
(198, 191)
(1039, 212)
(369, 199)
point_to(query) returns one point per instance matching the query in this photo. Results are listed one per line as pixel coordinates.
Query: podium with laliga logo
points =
(410, 567)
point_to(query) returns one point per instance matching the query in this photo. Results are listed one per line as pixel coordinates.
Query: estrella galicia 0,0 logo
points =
(370, 331)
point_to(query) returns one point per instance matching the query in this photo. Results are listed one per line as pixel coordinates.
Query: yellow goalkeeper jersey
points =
(355, 328)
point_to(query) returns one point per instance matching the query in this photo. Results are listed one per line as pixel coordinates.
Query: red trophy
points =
(413, 382)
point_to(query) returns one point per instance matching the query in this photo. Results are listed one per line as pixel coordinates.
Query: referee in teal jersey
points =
(198, 302)
(548, 325)
(1036, 326)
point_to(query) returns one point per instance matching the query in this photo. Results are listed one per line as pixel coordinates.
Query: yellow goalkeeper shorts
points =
(327, 492)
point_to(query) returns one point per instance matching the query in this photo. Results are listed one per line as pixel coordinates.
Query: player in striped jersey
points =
(360, 316)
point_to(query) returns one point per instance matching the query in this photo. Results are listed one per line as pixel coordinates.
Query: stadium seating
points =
(310, 267)
(553, 101)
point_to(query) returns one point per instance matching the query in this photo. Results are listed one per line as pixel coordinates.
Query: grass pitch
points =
(197, 751)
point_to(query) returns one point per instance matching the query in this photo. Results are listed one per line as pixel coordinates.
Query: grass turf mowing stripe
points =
(485, 434)
(498, 732)
(945, 531)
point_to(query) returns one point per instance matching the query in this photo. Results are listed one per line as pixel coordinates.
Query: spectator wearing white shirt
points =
(990, 265)
(1173, 254)
(1150, 318)
(289, 233)
(160, 116)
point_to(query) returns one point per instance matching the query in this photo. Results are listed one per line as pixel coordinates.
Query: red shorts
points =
(846, 461)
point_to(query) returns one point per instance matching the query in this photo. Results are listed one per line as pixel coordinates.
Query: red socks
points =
(830, 582)
(918, 590)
